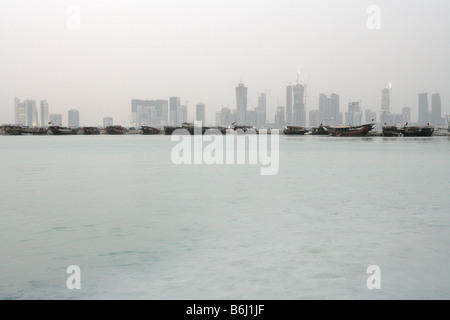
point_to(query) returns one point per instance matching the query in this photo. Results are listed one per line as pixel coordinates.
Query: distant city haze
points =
(97, 56)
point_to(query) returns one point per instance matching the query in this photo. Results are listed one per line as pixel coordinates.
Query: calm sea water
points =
(140, 227)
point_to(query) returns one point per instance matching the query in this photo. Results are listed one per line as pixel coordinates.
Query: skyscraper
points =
(334, 113)
(108, 122)
(299, 116)
(149, 112)
(241, 102)
(224, 117)
(74, 118)
(43, 119)
(385, 116)
(328, 109)
(31, 113)
(289, 104)
(261, 112)
(200, 113)
(315, 118)
(436, 109)
(406, 115)
(424, 114)
(20, 112)
(386, 99)
(323, 116)
(182, 114)
(370, 116)
(280, 117)
(174, 105)
(354, 114)
(55, 119)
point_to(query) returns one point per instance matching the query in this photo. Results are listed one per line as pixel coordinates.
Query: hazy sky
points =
(200, 50)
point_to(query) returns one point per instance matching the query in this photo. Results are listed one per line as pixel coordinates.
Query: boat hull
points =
(115, 130)
(168, 131)
(417, 131)
(295, 131)
(361, 131)
(149, 131)
(391, 132)
(320, 131)
(91, 131)
(60, 131)
(12, 130)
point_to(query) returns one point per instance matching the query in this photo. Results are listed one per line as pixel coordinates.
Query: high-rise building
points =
(149, 112)
(406, 115)
(370, 116)
(424, 113)
(31, 113)
(261, 118)
(251, 118)
(436, 109)
(334, 114)
(224, 117)
(323, 111)
(315, 118)
(174, 105)
(385, 115)
(289, 104)
(200, 113)
(329, 109)
(182, 114)
(241, 103)
(74, 118)
(299, 115)
(108, 122)
(397, 119)
(20, 112)
(280, 117)
(386, 99)
(55, 119)
(43, 116)
(354, 114)
(261, 112)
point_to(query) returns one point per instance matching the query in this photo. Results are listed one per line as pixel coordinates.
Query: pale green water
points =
(142, 228)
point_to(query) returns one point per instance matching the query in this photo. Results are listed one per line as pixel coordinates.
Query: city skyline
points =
(206, 50)
(170, 112)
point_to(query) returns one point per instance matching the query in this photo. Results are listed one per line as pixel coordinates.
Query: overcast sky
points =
(200, 50)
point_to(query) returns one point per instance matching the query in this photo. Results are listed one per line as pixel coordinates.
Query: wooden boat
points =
(426, 131)
(115, 130)
(351, 131)
(62, 131)
(244, 129)
(222, 130)
(391, 131)
(169, 130)
(133, 130)
(12, 130)
(192, 129)
(320, 131)
(91, 130)
(294, 130)
(150, 131)
(35, 131)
